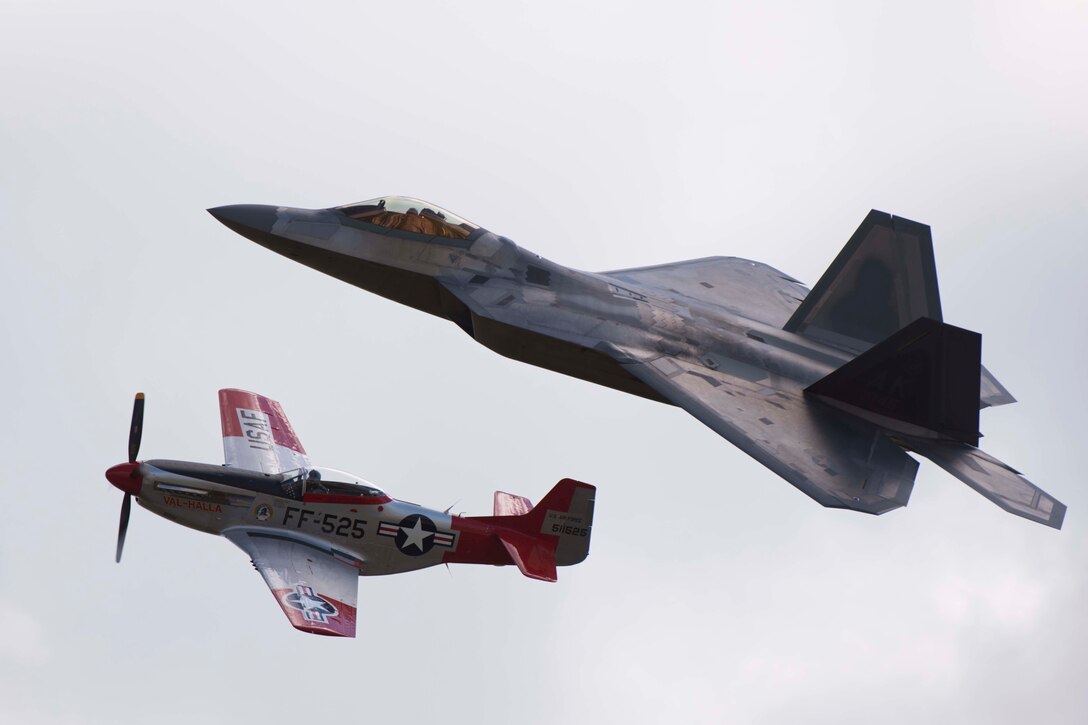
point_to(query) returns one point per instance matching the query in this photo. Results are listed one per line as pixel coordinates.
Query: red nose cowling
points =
(124, 476)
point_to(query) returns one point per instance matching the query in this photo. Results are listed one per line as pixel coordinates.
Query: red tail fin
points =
(555, 532)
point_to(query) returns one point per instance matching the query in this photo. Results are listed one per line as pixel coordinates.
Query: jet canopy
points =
(331, 481)
(405, 214)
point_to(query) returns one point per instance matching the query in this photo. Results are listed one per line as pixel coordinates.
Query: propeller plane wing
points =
(316, 586)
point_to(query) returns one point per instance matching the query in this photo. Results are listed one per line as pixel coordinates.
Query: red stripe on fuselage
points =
(340, 498)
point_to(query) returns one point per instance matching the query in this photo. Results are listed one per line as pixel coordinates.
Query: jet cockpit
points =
(405, 214)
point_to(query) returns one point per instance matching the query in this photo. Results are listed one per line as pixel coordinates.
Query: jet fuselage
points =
(561, 306)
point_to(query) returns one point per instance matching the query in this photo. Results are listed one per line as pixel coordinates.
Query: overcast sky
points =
(602, 136)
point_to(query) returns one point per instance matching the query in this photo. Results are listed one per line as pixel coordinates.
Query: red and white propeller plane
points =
(311, 532)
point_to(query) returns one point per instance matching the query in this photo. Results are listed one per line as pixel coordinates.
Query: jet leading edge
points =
(828, 388)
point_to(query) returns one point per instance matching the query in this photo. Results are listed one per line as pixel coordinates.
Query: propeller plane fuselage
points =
(218, 500)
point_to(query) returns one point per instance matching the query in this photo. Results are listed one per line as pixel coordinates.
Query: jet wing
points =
(750, 289)
(316, 586)
(257, 435)
(838, 463)
(758, 292)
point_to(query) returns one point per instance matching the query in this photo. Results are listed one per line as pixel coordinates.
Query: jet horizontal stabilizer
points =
(993, 479)
(921, 381)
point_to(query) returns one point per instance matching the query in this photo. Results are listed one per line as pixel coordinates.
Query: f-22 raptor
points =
(828, 388)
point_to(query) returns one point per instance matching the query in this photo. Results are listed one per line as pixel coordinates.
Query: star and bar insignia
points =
(416, 535)
(314, 607)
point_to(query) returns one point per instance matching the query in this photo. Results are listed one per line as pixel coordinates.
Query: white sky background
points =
(603, 137)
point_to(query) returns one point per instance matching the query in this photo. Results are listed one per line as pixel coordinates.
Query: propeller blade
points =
(136, 431)
(126, 509)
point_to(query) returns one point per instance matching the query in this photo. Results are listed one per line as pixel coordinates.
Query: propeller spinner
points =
(125, 475)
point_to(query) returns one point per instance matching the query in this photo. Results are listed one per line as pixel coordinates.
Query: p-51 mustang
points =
(311, 532)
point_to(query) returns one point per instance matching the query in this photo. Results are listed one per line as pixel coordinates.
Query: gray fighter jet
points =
(828, 388)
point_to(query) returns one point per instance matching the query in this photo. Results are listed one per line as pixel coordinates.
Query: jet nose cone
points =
(246, 217)
(125, 477)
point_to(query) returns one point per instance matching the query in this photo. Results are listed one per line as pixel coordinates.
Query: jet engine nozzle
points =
(125, 477)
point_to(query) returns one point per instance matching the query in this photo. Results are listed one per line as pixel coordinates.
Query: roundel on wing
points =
(314, 607)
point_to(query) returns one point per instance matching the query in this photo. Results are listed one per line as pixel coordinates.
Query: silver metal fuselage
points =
(202, 497)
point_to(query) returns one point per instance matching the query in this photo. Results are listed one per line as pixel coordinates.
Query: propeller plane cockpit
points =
(312, 531)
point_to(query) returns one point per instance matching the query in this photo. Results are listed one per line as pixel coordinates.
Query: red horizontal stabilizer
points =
(534, 555)
(508, 504)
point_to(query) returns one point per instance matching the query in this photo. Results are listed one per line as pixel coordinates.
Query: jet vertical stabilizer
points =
(883, 279)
